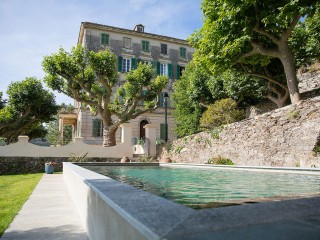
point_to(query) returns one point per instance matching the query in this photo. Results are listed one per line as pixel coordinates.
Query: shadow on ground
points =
(63, 232)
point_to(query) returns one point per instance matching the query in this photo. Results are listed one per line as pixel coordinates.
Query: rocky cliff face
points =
(284, 137)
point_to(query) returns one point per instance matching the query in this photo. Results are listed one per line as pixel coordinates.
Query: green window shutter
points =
(178, 71)
(120, 59)
(183, 52)
(95, 127)
(104, 39)
(133, 63)
(158, 68)
(170, 70)
(145, 46)
(163, 130)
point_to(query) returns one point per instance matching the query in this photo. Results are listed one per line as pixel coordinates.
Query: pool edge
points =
(170, 220)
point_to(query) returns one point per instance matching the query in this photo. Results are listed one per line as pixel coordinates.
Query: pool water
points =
(198, 188)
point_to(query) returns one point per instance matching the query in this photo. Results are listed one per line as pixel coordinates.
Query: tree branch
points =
(287, 33)
(269, 79)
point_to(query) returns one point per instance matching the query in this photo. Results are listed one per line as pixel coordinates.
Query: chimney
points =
(139, 28)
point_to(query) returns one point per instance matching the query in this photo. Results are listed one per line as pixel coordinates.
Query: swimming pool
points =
(198, 188)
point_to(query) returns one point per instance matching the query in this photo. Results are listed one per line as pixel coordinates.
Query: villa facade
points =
(169, 56)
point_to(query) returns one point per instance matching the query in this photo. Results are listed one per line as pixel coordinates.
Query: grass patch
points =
(15, 190)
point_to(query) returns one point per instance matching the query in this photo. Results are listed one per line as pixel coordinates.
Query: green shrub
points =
(293, 114)
(215, 132)
(220, 161)
(222, 112)
(178, 149)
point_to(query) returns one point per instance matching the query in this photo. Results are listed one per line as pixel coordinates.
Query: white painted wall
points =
(25, 149)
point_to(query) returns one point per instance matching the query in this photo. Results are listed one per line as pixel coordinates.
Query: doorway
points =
(142, 129)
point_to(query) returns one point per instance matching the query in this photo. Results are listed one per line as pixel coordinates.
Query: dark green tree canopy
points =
(28, 105)
(197, 89)
(250, 32)
(92, 79)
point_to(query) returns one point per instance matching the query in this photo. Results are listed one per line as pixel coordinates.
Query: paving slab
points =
(48, 214)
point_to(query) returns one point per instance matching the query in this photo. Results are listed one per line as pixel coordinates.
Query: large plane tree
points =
(92, 79)
(251, 32)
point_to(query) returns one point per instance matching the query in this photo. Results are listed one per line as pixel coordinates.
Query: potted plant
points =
(49, 167)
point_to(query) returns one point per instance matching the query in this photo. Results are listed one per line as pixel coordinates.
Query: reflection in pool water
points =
(197, 187)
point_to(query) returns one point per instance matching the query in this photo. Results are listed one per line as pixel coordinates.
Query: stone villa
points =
(168, 55)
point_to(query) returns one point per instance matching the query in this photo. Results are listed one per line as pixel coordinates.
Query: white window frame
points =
(126, 65)
(163, 69)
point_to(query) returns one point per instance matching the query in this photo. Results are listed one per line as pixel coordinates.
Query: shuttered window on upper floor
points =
(164, 49)
(183, 52)
(145, 46)
(104, 39)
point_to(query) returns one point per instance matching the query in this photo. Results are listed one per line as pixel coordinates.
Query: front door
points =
(142, 129)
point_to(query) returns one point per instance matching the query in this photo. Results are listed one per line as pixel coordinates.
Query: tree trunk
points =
(109, 137)
(287, 60)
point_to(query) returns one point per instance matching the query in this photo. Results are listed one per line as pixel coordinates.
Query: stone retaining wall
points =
(283, 137)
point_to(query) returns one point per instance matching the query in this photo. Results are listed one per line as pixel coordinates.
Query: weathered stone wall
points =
(283, 137)
(309, 87)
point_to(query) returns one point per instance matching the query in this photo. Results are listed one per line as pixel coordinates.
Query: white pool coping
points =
(113, 210)
(297, 170)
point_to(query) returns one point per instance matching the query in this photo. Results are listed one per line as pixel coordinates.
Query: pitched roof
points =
(127, 31)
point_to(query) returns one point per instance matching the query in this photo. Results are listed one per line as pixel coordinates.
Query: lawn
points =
(14, 191)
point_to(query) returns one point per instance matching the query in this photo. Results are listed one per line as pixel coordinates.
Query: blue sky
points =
(32, 29)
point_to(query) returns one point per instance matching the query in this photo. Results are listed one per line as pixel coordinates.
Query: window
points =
(97, 128)
(183, 52)
(162, 100)
(163, 69)
(145, 46)
(126, 42)
(180, 70)
(104, 39)
(126, 65)
(164, 49)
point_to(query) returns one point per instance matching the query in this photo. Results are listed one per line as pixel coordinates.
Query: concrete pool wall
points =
(113, 210)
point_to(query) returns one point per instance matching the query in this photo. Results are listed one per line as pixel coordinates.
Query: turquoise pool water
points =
(210, 187)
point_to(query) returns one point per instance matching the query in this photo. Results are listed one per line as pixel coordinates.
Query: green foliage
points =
(308, 33)
(186, 99)
(15, 190)
(222, 112)
(91, 78)
(316, 149)
(249, 34)
(178, 149)
(220, 161)
(294, 114)
(215, 132)
(29, 105)
(77, 158)
(2, 101)
(197, 88)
